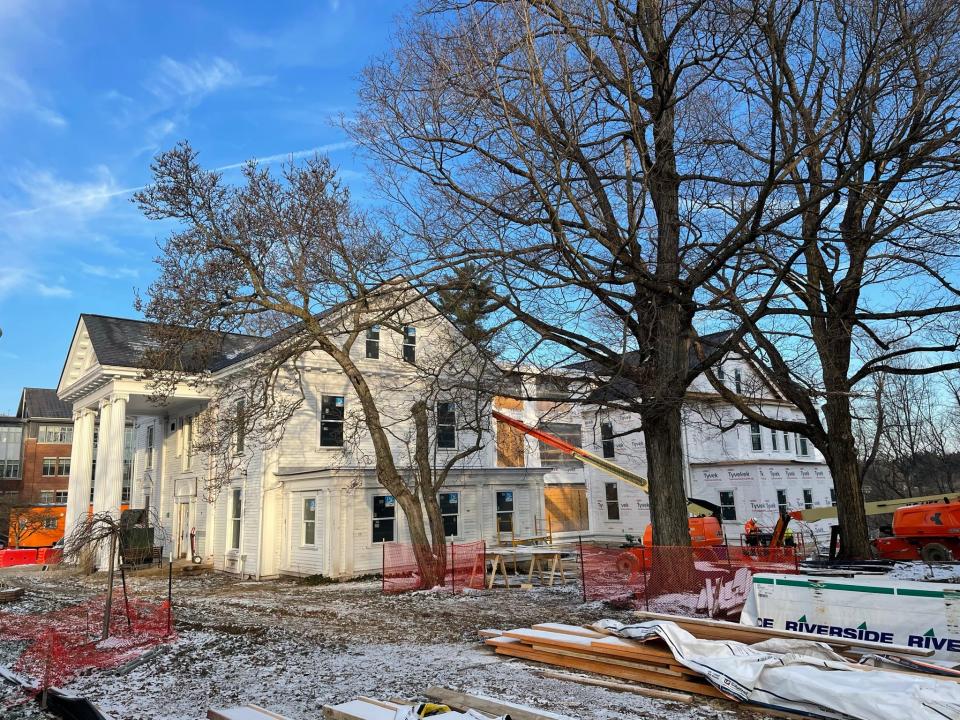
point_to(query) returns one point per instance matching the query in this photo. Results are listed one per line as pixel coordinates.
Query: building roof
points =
(43, 403)
(125, 342)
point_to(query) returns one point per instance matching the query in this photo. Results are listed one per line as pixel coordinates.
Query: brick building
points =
(47, 438)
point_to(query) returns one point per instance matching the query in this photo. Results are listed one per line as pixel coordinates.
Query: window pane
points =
(756, 439)
(606, 438)
(728, 509)
(331, 420)
(373, 342)
(446, 425)
(505, 501)
(450, 525)
(410, 344)
(613, 501)
(310, 509)
(551, 456)
(449, 503)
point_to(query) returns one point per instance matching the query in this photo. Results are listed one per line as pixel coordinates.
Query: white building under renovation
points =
(311, 504)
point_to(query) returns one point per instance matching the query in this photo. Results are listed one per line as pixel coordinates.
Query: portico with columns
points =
(108, 399)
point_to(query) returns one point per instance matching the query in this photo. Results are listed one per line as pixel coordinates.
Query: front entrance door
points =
(183, 530)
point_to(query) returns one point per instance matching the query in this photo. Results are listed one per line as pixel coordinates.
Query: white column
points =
(81, 459)
(109, 482)
(103, 431)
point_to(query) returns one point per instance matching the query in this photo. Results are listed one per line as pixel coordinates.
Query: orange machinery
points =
(705, 528)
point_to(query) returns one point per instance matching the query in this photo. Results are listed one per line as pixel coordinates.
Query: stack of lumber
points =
(243, 712)
(577, 648)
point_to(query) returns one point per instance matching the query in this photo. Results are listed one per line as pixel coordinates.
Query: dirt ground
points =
(293, 647)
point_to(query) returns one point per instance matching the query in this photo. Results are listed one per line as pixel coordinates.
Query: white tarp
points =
(890, 611)
(805, 680)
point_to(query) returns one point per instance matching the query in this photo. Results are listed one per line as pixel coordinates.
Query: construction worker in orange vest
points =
(751, 529)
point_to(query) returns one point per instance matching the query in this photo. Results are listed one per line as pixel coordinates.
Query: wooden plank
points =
(611, 646)
(357, 710)
(688, 623)
(619, 687)
(568, 630)
(602, 668)
(671, 670)
(461, 700)
(243, 712)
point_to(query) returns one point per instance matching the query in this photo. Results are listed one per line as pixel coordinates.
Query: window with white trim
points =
(60, 497)
(331, 420)
(384, 518)
(728, 505)
(782, 502)
(803, 447)
(450, 510)
(49, 468)
(58, 434)
(612, 498)
(756, 438)
(51, 523)
(309, 536)
(807, 498)
(46, 497)
(786, 441)
(505, 511)
(446, 425)
(236, 510)
(410, 344)
(63, 467)
(738, 380)
(148, 460)
(373, 343)
(773, 440)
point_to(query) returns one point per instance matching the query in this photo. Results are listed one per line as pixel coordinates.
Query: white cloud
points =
(23, 281)
(196, 79)
(17, 96)
(296, 155)
(114, 273)
(53, 291)
(44, 191)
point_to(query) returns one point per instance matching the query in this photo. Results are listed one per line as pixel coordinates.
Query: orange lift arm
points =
(696, 507)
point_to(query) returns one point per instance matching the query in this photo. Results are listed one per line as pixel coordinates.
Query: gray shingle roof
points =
(43, 403)
(125, 343)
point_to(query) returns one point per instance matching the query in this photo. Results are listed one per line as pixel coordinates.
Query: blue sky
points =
(90, 91)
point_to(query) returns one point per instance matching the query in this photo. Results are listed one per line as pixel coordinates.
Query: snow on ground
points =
(939, 572)
(292, 648)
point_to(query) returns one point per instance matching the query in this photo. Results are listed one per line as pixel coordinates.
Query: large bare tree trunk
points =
(845, 468)
(668, 505)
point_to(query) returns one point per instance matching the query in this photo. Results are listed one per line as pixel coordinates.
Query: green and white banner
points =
(893, 612)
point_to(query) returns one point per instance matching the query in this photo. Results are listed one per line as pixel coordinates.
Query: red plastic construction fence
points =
(710, 581)
(464, 567)
(63, 643)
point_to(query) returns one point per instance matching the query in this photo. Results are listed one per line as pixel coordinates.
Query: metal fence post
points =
(643, 574)
(583, 569)
(383, 568)
(453, 567)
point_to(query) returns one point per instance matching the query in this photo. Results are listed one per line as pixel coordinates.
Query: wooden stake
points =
(620, 687)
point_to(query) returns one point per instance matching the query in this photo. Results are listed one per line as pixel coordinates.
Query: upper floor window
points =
(786, 441)
(410, 344)
(756, 439)
(446, 425)
(551, 456)
(63, 468)
(49, 467)
(720, 374)
(807, 498)
(606, 439)
(62, 434)
(803, 447)
(331, 421)
(47, 497)
(60, 497)
(9, 468)
(738, 380)
(373, 343)
(773, 440)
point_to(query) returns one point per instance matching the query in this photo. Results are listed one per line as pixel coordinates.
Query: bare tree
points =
(871, 89)
(303, 278)
(599, 162)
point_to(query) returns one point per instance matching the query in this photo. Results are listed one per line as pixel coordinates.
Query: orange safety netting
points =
(711, 581)
(61, 644)
(464, 568)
